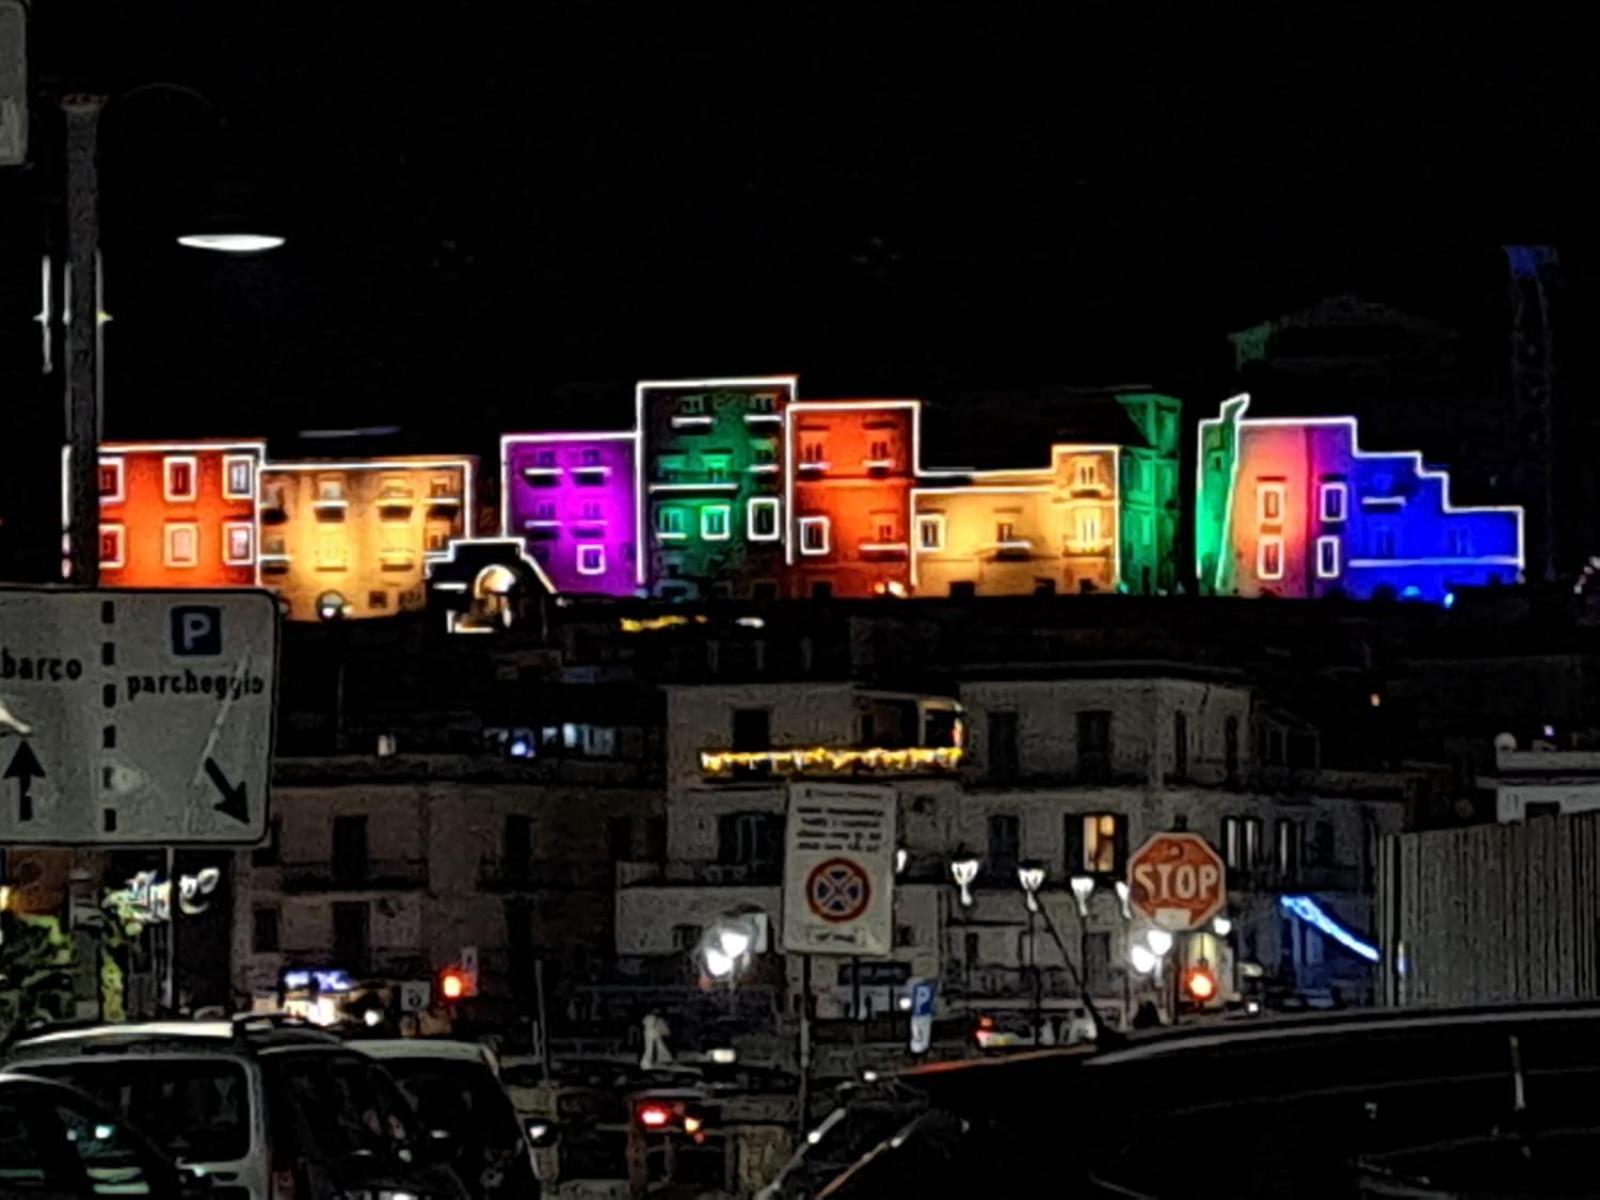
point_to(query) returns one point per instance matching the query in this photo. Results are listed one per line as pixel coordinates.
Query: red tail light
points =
(654, 1116)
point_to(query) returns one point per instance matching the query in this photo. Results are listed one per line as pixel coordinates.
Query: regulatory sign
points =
(839, 870)
(1177, 880)
(922, 994)
(135, 717)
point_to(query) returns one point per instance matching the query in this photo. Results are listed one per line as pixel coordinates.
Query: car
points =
(57, 1144)
(264, 1107)
(455, 1086)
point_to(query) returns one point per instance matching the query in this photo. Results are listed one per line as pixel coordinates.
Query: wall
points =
(802, 714)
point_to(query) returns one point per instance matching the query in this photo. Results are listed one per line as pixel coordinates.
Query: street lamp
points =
(964, 870)
(1142, 958)
(1160, 941)
(1082, 889)
(1222, 927)
(1125, 899)
(1031, 878)
(232, 243)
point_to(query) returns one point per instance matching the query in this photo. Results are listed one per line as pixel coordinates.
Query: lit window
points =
(813, 535)
(591, 560)
(239, 543)
(330, 488)
(111, 546)
(714, 522)
(1088, 527)
(811, 451)
(885, 532)
(716, 468)
(762, 402)
(111, 479)
(880, 451)
(1005, 531)
(930, 531)
(1101, 838)
(1088, 474)
(182, 544)
(1327, 557)
(238, 477)
(544, 511)
(1334, 498)
(1269, 502)
(1269, 558)
(591, 511)
(670, 522)
(763, 519)
(331, 549)
(179, 477)
(544, 459)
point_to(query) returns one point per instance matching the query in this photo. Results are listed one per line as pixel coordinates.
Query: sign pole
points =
(81, 504)
(169, 984)
(805, 1043)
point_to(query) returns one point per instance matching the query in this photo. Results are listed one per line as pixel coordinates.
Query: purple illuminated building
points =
(569, 498)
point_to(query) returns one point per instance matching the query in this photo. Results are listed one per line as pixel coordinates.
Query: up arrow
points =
(233, 803)
(24, 769)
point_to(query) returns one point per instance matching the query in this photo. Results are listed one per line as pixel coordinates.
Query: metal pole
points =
(1038, 984)
(544, 1026)
(805, 1043)
(169, 985)
(83, 417)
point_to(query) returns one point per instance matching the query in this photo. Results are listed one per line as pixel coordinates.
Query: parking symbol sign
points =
(196, 630)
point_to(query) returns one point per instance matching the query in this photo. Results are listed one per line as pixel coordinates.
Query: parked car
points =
(56, 1144)
(455, 1086)
(265, 1108)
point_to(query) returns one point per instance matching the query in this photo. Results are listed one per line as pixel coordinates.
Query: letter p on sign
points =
(196, 630)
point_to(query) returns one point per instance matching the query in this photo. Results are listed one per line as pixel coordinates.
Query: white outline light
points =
(1262, 543)
(930, 520)
(229, 461)
(1327, 492)
(1271, 489)
(249, 530)
(764, 503)
(174, 527)
(116, 530)
(583, 549)
(118, 464)
(1327, 568)
(815, 522)
(727, 522)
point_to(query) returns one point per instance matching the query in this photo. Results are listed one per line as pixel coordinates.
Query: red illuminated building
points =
(179, 515)
(853, 462)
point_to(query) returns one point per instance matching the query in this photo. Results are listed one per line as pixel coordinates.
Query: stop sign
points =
(1177, 880)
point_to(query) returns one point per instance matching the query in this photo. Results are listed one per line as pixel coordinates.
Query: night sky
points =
(502, 214)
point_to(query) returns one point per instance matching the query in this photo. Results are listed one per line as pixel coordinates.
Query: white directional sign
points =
(135, 717)
(838, 870)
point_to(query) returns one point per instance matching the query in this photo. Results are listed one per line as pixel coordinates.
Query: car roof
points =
(420, 1048)
(219, 1038)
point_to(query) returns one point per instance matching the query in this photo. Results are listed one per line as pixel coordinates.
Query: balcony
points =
(374, 875)
(831, 761)
(511, 875)
(699, 874)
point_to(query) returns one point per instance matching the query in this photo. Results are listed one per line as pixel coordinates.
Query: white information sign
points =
(134, 717)
(838, 893)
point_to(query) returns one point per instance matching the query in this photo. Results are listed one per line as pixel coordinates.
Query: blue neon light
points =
(1309, 911)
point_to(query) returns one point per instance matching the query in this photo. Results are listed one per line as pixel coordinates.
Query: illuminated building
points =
(351, 539)
(178, 514)
(1100, 517)
(851, 464)
(710, 487)
(1294, 507)
(569, 497)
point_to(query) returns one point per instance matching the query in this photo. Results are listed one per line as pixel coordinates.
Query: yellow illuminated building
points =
(351, 540)
(1019, 533)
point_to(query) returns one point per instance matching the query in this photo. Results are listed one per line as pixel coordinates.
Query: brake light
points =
(654, 1116)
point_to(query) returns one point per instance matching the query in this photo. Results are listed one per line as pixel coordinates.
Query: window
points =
(1005, 845)
(1094, 745)
(1327, 558)
(1252, 841)
(714, 522)
(544, 511)
(239, 543)
(330, 489)
(182, 544)
(1269, 503)
(516, 845)
(1269, 558)
(178, 478)
(1003, 760)
(1335, 497)
(1088, 527)
(752, 729)
(811, 451)
(762, 402)
(1135, 474)
(592, 511)
(1101, 843)
(377, 599)
(113, 552)
(879, 452)
(544, 459)
(591, 458)
(686, 937)
(111, 479)
(1005, 532)
(1288, 850)
(762, 519)
(352, 925)
(716, 468)
(692, 406)
(905, 937)
(331, 549)
(753, 840)
(1180, 745)
(350, 849)
(264, 930)
(435, 540)
(238, 477)
(813, 535)
(619, 838)
(1088, 474)
(591, 560)
(886, 531)
(930, 531)
(1233, 843)
(1322, 843)
(1383, 541)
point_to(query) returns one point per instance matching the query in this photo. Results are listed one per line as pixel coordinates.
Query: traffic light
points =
(455, 984)
(1200, 984)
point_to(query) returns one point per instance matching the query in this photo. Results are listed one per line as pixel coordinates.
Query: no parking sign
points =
(839, 870)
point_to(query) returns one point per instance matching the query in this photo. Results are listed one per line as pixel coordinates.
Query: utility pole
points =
(81, 502)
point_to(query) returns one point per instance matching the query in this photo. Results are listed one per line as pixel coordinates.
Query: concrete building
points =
(1544, 780)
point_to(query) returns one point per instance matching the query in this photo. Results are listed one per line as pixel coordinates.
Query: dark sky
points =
(502, 213)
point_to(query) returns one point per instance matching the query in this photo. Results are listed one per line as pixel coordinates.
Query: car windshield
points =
(342, 1104)
(196, 1109)
(462, 1097)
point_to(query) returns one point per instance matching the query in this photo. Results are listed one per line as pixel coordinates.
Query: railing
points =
(372, 875)
(511, 875)
(831, 760)
(646, 874)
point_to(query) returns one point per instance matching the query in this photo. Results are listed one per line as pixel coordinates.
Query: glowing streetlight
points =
(1031, 879)
(733, 942)
(901, 857)
(1125, 899)
(1160, 942)
(232, 243)
(1222, 927)
(1082, 889)
(718, 964)
(1141, 958)
(964, 871)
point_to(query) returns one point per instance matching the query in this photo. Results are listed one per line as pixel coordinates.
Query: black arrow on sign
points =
(233, 802)
(24, 769)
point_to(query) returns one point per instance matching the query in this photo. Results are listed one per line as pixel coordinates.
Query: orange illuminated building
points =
(178, 515)
(352, 539)
(851, 469)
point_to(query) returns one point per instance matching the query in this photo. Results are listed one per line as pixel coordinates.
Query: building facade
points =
(352, 539)
(179, 515)
(570, 498)
(1294, 507)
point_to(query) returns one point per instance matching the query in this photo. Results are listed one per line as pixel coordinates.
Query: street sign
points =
(129, 718)
(922, 994)
(1177, 880)
(839, 870)
(13, 83)
(415, 995)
